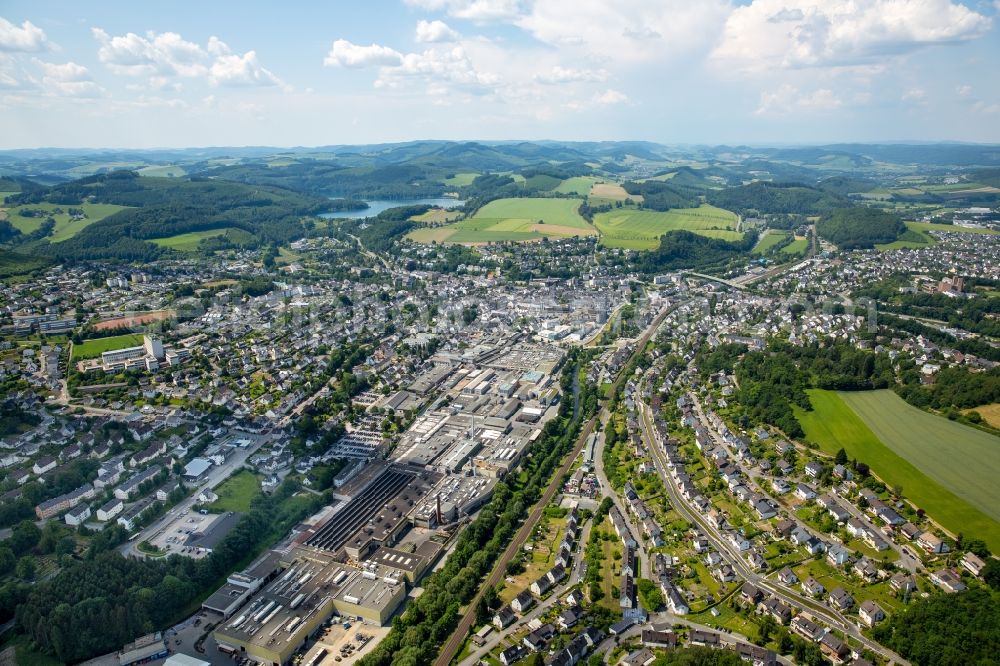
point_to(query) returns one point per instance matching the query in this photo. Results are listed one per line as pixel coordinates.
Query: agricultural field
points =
(437, 215)
(612, 192)
(165, 171)
(460, 179)
(641, 229)
(97, 346)
(931, 226)
(542, 182)
(990, 413)
(189, 242)
(769, 239)
(580, 185)
(930, 457)
(65, 228)
(512, 220)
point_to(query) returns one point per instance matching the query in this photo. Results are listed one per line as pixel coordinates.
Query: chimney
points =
(439, 520)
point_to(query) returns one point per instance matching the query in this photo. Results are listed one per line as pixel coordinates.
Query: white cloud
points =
(915, 95)
(768, 34)
(345, 54)
(441, 70)
(160, 56)
(963, 90)
(609, 97)
(68, 80)
(29, 38)
(435, 31)
(986, 108)
(560, 74)
(789, 99)
(241, 70)
(626, 31)
(472, 10)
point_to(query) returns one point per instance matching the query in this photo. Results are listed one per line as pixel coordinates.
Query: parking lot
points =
(176, 532)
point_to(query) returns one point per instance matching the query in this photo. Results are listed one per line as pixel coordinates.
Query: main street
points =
(732, 555)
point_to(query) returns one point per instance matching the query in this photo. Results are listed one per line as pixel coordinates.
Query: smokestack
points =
(440, 521)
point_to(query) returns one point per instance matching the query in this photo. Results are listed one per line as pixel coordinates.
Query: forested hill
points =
(852, 228)
(164, 207)
(766, 197)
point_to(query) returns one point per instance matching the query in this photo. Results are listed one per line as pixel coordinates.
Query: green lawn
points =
(930, 226)
(797, 246)
(641, 229)
(770, 238)
(190, 242)
(236, 493)
(97, 346)
(65, 228)
(945, 468)
(522, 219)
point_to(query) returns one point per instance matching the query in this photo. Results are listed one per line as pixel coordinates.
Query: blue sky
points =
(102, 74)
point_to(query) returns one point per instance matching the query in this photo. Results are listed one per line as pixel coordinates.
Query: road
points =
(216, 475)
(734, 558)
(452, 646)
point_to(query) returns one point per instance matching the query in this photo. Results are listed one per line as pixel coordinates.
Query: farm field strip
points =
(512, 220)
(969, 466)
(833, 424)
(641, 229)
(189, 242)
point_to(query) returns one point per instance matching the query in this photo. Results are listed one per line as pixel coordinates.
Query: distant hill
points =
(781, 198)
(164, 207)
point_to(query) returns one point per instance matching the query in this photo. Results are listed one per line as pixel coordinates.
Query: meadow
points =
(768, 240)
(916, 235)
(97, 346)
(641, 229)
(460, 179)
(190, 242)
(512, 220)
(797, 246)
(65, 228)
(165, 171)
(945, 468)
(577, 185)
(437, 215)
(236, 493)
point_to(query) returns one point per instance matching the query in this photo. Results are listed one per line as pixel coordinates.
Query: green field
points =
(65, 227)
(641, 229)
(97, 346)
(771, 238)
(189, 242)
(797, 246)
(167, 171)
(577, 185)
(512, 220)
(461, 179)
(945, 468)
(930, 226)
(236, 493)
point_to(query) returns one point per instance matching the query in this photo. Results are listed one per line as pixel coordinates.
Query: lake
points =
(376, 206)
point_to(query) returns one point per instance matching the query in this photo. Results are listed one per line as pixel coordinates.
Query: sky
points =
(222, 73)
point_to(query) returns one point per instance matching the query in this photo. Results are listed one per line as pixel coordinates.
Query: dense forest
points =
(163, 207)
(858, 227)
(946, 629)
(771, 382)
(663, 195)
(685, 249)
(768, 198)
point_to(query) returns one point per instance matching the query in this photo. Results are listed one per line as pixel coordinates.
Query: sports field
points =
(771, 238)
(65, 228)
(641, 229)
(97, 346)
(797, 246)
(189, 242)
(945, 468)
(512, 220)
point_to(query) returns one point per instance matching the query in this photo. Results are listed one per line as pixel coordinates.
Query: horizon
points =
(722, 72)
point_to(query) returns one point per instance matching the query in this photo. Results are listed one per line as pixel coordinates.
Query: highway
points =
(454, 643)
(734, 558)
